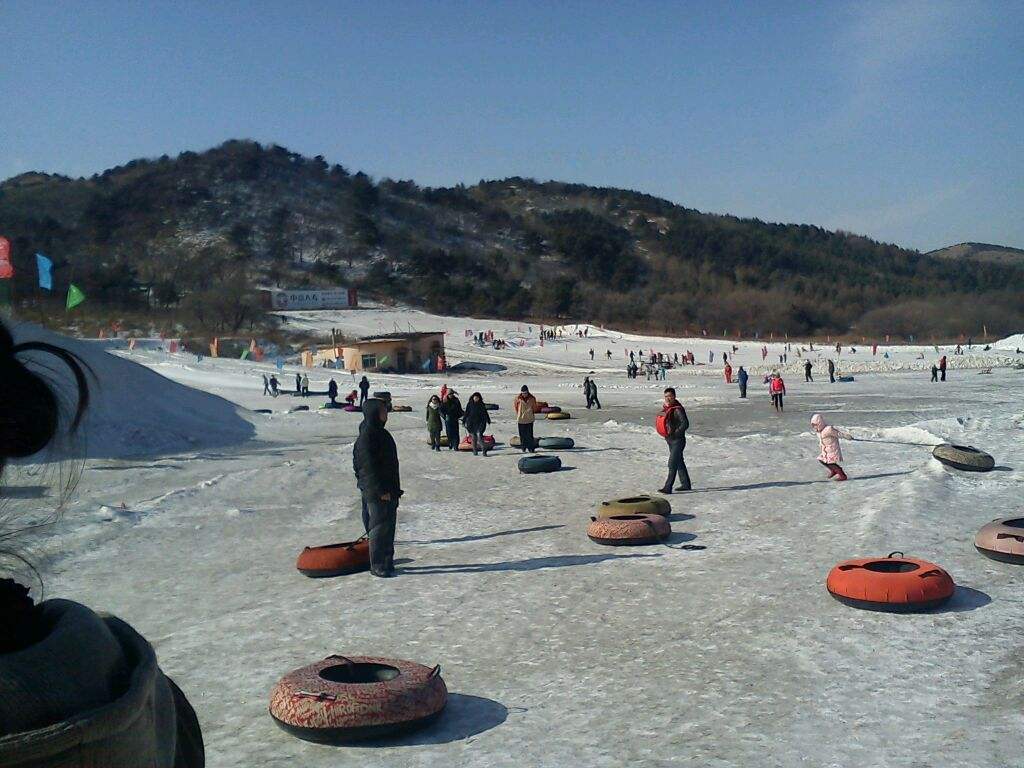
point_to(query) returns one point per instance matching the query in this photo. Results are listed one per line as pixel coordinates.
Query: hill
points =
(192, 234)
(981, 252)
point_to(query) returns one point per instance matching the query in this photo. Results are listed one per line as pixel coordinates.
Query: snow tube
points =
(635, 505)
(467, 442)
(628, 530)
(340, 700)
(514, 441)
(334, 559)
(550, 409)
(491, 406)
(844, 379)
(401, 408)
(1002, 540)
(331, 406)
(559, 416)
(382, 395)
(352, 408)
(896, 584)
(444, 441)
(556, 443)
(531, 465)
(262, 410)
(964, 457)
(298, 408)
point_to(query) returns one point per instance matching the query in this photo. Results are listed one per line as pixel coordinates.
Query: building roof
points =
(396, 337)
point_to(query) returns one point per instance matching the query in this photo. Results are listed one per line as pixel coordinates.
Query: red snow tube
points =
(550, 409)
(351, 408)
(335, 559)
(341, 699)
(467, 442)
(897, 584)
(626, 530)
(538, 405)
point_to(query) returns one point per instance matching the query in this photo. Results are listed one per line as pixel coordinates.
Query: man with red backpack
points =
(777, 387)
(672, 424)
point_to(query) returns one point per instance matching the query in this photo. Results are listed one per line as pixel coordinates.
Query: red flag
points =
(6, 268)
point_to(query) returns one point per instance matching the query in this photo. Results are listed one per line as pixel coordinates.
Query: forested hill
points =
(201, 228)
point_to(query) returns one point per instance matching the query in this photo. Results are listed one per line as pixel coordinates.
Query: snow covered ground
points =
(191, 511)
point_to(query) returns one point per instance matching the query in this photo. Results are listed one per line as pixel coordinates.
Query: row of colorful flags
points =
(45, 267)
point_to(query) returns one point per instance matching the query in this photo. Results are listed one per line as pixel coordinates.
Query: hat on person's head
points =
(524, 388)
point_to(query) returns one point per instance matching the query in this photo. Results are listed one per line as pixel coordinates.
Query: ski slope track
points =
(192, 509)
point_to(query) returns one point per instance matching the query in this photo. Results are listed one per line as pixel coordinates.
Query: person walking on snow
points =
(672, 424)
(807, 371)
(273, 386)
(375, 463)
(831, 454)
(451, 410)
(593, 395)
(332, 391)
(942, 368)
(742, 378)
(728, 373)
(591, 354)
(525, 406)
(831, 371)
(433, 419)
(305, 385)
(298, 384)
(266, 385)
(476, 420)
(778, 389)
(586, 391)
(364, 390)
(935, 373)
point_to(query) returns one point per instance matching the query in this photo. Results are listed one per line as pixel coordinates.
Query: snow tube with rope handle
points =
(339, 700)
(335, 559)
(635, 505)
(963, 457)
(1002, 540)
(559, 416)
(895, 584)
(628, 530)
(532, 465)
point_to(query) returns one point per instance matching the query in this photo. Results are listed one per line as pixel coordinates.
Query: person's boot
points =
(831, 472)
(840, 475)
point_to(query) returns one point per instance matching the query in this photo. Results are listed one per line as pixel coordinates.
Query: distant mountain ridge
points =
(985, 252)
(193, 232)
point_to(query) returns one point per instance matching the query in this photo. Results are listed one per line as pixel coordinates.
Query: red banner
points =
(6, 268)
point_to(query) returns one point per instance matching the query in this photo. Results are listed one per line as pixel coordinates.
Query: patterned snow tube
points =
(895, 584)
(964, 457)
(550, 409)
(334, 559)
(491, 406)
(467, 442)
(352, 408)
(559, 416)
(532, 465)
(1002, 540)
(401, 408)
(262, 410)
(635, 505)
(628, 530)
(340, 700)
(514, 441)
(556, 443)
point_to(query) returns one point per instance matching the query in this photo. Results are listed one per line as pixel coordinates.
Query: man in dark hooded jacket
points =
(375, 462)
(451, 412)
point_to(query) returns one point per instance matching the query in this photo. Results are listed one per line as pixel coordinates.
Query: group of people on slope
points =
(446, 411)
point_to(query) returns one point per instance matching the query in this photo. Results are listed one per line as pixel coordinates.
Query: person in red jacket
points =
(942, 368)
(728, 374)
(778, 388)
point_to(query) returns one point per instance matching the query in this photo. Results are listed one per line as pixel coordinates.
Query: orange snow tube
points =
(628, 530)
(467, 442)
(335, 559)
(896, 584)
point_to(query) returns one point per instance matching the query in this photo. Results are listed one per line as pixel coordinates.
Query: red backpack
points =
(661, 421)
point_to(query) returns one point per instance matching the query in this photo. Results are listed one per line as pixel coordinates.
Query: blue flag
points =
(45, 272)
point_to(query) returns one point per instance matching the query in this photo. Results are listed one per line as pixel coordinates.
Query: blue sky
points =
(900, 120)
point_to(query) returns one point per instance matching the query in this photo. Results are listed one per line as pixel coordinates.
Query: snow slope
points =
(558, 651)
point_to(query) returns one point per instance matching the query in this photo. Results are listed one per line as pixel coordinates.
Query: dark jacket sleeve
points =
(680, 423)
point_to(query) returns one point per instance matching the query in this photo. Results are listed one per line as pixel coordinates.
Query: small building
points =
(398, 352)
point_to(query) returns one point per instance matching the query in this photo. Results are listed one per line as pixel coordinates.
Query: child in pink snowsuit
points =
(831, 453)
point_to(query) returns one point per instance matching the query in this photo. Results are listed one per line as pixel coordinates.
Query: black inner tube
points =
(359, 673)
(891, 566)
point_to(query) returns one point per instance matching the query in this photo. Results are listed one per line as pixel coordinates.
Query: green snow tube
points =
(556, 443)
(964, 457)
(532, 465)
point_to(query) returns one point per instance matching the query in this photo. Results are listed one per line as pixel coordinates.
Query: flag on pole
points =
(6, 268)
(244, 355)
(45, 272)
(75, 296)
(215, 347)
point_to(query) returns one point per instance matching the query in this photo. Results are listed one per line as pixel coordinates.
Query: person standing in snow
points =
(332, 391)
(434, 422)
(831, 371)
(525, 406)
(777, 387)
(593, 395)
(586, 391)
(451, 410)
(831, 454)
(364, 390)
(375, 463)
(274, 392)
(742, 378)
(807, 371)
(298, 384)
(266, 385)
(942, 368)
(305, 385)
(728, 373)
(476, 420)
(935, 373)
(672, 425)
(591, 354)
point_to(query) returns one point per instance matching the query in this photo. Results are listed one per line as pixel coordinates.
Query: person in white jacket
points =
(831, 454)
